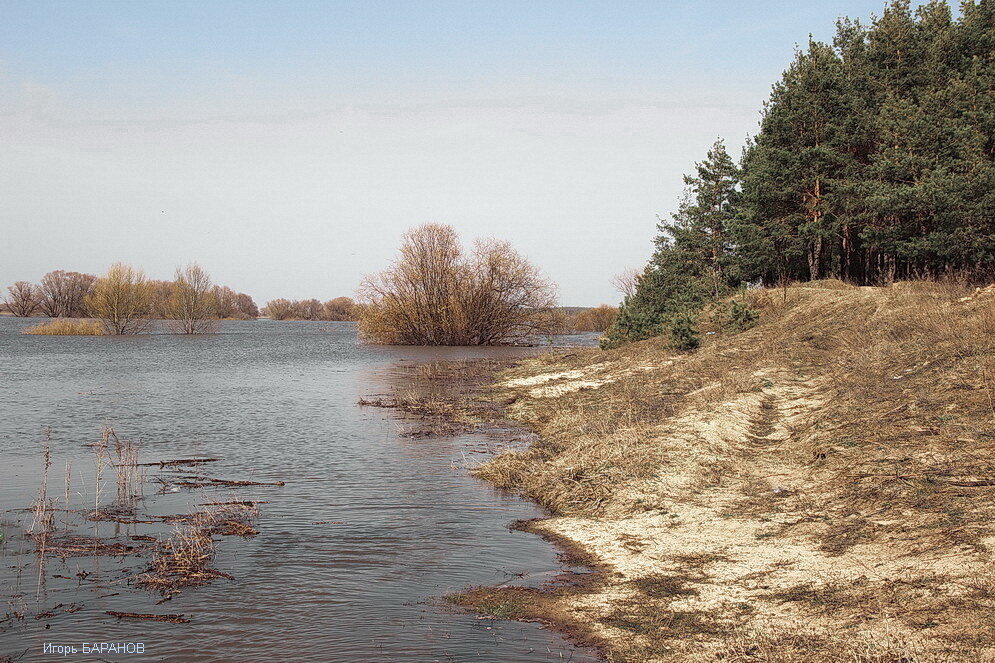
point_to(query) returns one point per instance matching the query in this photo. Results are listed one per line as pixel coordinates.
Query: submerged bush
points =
(435, 294)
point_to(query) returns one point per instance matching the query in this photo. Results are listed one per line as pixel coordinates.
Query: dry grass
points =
(184, 559)
(67, 327)
(817, 488)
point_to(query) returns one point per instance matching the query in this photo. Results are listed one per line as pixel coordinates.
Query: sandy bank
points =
(817, 488)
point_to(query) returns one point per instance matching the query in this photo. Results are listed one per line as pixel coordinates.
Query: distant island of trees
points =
(338, 309)
(125, 301)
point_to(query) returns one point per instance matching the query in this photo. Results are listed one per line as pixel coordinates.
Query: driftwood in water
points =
(204, 482)
(86, 546)
(172, 619)
(181, 461)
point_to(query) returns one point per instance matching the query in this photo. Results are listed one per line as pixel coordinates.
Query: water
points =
(402, 522)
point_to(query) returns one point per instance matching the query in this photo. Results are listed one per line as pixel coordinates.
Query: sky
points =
(287, 146)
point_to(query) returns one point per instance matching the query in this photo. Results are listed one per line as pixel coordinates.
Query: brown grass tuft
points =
(184, 559)
(66, 327)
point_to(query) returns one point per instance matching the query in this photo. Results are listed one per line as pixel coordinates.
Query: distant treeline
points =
(875, 161)
(62, 294)
(340, 308)
(125, 301)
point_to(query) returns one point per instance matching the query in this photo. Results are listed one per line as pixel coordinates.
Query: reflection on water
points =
(353, 552)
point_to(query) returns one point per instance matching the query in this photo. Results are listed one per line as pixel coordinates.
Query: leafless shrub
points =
(435, 295)
(340, 308)
(279, 309)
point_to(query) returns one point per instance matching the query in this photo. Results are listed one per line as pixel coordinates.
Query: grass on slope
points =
(818, 488)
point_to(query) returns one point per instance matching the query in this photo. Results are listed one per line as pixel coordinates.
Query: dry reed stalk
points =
(100, 459)
(43, 521)
(126, 467)
(68, 486)
(44, 518)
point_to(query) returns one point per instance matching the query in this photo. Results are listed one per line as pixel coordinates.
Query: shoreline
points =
(805, 490)
(540, 605)
(461, 406)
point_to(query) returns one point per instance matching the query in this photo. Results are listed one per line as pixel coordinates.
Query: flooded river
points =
(354, 551)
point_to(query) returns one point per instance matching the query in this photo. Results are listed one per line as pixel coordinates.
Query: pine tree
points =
(875, 160)
(693, 258)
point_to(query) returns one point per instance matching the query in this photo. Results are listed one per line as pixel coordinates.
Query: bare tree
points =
(63, 294)
(22, 299)
(340, 308)
(162, 292)
(192, 301)
(435, 295)
(309, 309)
(279, 309)
(596, 319)
(225, 302)
(246, 307)
(123, 300)
(627, 282)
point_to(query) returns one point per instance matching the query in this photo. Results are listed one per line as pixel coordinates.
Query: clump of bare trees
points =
(340, 308)
(233, 305)
(436, 294)
(597, 319)
(63, 294)
(126, 302)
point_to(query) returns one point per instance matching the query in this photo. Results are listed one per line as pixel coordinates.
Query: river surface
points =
(353, 553)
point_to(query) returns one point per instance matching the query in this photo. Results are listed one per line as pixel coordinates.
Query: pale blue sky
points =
(286, 146)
